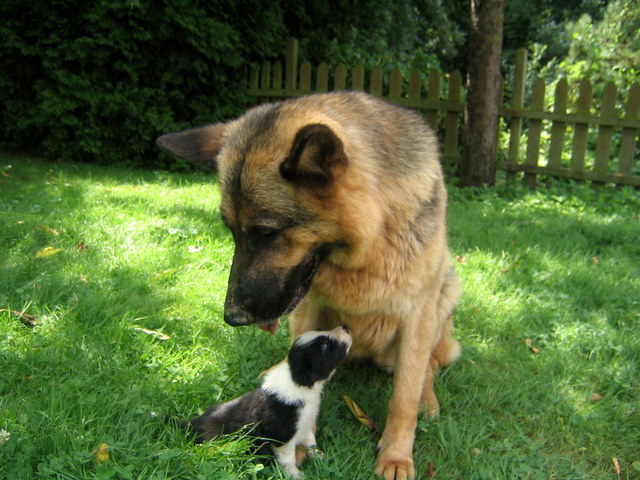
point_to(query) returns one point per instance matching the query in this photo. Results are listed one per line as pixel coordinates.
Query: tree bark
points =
(478, 166)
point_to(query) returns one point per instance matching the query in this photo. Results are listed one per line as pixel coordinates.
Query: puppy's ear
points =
(199, 146)
(316, 158)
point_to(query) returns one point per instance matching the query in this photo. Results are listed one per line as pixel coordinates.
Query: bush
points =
(98, 81)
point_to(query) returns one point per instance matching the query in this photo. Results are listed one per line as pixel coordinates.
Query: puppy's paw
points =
(314, 452)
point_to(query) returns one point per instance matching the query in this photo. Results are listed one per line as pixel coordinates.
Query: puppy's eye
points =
(324, 347)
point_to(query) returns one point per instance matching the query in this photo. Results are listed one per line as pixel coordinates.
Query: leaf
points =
(165, 273)
(529, 344)
(169, 453)
(46, 229)
(28, 320)
(432, 470)
(47, 252)
(153, 333)
(81, 246)
(359, 413)
(101, 453)
(616, 466)
(595, 397)
(461, 259)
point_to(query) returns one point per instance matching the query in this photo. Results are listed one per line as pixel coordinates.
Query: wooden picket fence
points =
(550, 142)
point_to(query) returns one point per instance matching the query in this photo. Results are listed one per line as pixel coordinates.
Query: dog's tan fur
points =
(388, 275)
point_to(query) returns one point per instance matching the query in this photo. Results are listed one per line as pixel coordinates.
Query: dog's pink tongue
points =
(270, 327)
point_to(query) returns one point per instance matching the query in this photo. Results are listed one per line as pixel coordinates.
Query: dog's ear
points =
(316, 158)
(199, 146)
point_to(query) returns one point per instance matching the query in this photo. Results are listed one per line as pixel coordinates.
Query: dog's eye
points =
(265, 232)
(324, 347)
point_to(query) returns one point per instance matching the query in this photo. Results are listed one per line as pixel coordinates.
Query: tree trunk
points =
(479, 157)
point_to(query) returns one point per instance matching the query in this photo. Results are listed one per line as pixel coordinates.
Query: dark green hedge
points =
(98, 81)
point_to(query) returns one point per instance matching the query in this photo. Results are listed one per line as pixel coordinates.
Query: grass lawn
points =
(125, 274)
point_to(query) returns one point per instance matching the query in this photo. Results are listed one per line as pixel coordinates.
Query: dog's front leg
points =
(306, 317)
(286, 456)
(415, 345)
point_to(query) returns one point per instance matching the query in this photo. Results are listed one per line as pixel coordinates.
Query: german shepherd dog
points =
(337, 206)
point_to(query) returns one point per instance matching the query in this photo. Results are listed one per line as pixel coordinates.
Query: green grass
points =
(559, 268)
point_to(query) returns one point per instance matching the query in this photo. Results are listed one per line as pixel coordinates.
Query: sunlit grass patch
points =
(129, 337)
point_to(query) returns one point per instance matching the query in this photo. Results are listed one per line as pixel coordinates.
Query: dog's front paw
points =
(394, 465)
(314, 452)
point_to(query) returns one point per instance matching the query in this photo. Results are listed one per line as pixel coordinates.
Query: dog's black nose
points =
(345, 328)
(236, 319)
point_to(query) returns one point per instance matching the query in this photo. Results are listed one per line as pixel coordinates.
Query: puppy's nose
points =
(345, 328)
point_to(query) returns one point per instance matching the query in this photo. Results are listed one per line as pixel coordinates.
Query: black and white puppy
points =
(284, 409)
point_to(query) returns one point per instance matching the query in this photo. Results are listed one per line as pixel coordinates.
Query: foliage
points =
(544, 22)
(602, 51)
(98, 81)
(130, 337)
(409, 33)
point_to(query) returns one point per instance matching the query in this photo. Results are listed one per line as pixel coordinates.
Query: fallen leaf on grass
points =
(461, 260)
(28, 320)
(101, 453)
(595, 260)
(596, 397)
(46, 229)
(529, 343)
(47, 252)
(165, 273)
(153, 333)
(432, 470)
(81, 246)
(359, 413)
(616, 466)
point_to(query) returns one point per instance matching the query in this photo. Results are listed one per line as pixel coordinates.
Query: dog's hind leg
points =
(447, 350)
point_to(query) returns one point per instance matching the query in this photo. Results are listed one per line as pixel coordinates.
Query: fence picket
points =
(340, 77)
(395, 83)
(357, 78)
(517, 103)
(254, 78)
(452, 121)
(535, 130)
(277, 76)
(581, 131)
(305, 76)
(291, 65)
(292, 79)
(322, 78)
(375, 88)
(628, 141)
(415, 86)
(558, 128)
(265, 76)
(605, 132)
(433, 95)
